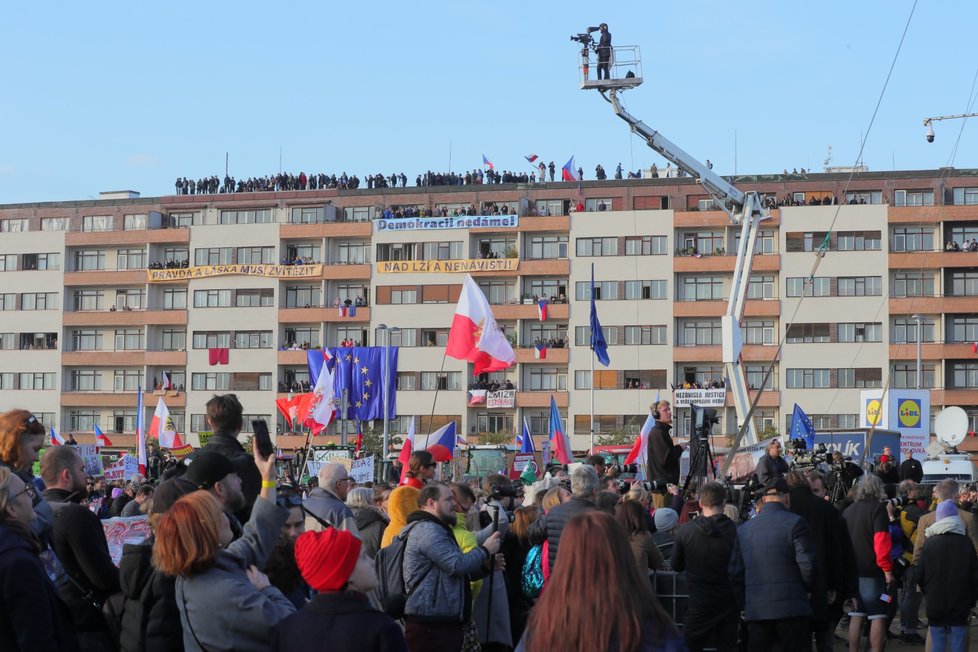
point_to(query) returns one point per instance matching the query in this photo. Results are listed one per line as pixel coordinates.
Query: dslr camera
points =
(624, 468)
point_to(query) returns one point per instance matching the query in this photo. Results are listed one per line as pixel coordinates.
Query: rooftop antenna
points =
(828, 159)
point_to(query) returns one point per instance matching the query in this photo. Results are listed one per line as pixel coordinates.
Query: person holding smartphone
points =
(224, 416)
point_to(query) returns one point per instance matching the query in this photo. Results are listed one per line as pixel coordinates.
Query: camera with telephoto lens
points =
(803, 458)
(623, 468)
(655, 486)
(897, 502)
(582, 38)
(500, 491)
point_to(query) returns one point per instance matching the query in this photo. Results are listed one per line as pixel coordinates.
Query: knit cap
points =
(946, 509)
(665, 519)
(326, 559)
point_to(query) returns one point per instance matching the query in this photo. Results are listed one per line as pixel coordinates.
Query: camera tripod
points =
(703, 454)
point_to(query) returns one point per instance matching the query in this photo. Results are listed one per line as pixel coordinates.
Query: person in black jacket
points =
(829, 586)
(911, 469)
(32, 617)
(78, 540)
(604, 52)
(702, 549)
(224, 416)
(771, 466)
(948, 577)
(662, 455)
(584, 488)
(772, 568)
(150, 617)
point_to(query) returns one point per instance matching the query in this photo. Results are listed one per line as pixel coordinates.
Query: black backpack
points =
(392, 590)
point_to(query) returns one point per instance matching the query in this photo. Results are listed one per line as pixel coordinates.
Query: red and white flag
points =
(167, 383)
(475, 336)
(162, 427)
(406, 450)
(323, 411)
(638, 454)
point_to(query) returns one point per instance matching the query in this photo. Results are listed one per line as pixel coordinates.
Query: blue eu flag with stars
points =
(360, 373)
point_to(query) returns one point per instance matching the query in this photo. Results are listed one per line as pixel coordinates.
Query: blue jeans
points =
(957, 636)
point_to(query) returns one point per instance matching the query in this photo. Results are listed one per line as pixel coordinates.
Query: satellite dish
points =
(951, 426)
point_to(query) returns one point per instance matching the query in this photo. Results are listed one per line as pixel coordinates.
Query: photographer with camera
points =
(771, 466)
(662, 455)
(908, 508)
(491, 609)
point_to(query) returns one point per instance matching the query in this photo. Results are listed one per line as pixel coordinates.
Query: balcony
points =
(770, 398)
(713, 353)
(347, 272)
(707, 308)
(316, 315)
(140, 237)
(915, 260)
(931, 351)
(506, 311)
(125, 317)
(166, 358)
(532, 224)
(931, 214)
(954, 396)
(932, 305)
(325, 230)
(703, 264)
(554, 356)
(292, 357)
(120, 399)
(541, 399)
(103, 358)
(101, 277)
(548, 267)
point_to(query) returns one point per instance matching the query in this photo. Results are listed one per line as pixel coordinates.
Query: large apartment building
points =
(84, 323)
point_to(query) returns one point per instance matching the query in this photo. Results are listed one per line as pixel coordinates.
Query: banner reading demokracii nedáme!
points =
(203, 271)
(448, 222)
(449, 266)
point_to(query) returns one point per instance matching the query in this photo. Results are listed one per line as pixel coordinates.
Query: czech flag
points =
(441, 443)
(531, 158)
(474, 335)
(639, 451)
(100, 439)
(406, 450)
(56, 438)
(526, 440)
(540, 351)
(486, 162)
(561, 445)
(569, 172)
(542, 309)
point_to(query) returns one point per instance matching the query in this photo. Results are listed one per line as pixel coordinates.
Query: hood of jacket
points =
(367, 516)
(421, 515)
(949, 525)
(713, 526)
(401, 503)
(136, 568)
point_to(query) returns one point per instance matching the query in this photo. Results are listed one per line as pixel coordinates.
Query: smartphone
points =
(262, 438)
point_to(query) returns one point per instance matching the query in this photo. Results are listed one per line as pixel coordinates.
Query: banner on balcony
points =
(712, 398)
(504, 398)
(448, 266)
(449, 222)
(205, 271)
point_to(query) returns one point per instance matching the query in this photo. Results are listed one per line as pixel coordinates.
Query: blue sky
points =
(112, 95)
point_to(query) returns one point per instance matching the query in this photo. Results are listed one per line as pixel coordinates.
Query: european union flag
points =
(598, 343)
(359, 373)
(801, 427)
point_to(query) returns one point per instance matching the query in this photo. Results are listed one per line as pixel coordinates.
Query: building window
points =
(759, 332)
(260, 216)
(808, 378)
(212, 298)
(547, 288)
(87, 260)
(701, 288)
(645, 335)
(253, 339)
(703, 242)
(134, 222)
(358, 213)
(761, 287)
(905, 331)
(860, 378)
(84, 420)
(211, 339)
(176, 255)
(404, 337)
(210, 382)
(701, 333)
(494, 423)
(647, 245)
(965, 196)
(808, 333)
(174, 340)
(183, 220)
(434, 337)
(254, 298)
(307, 215)
(548, 379)
(39, 301)
(864, 197)
(129, 340)
(905, 375)
(433, 380)
(256, 255)
(547, 247)
(797, 286)
(8, 263)
(358, 336)
(299, 336)
(41, 262)
(964, 375)
(597, 246)
(603, 290)
(805, 241)
(214, 256)
(87, 300)
(497, 292)
(755, 377)
(36, 380)
(913, 284)
(913, 238)
(97, 223)
(859, 240)
(404, 296)
(353, 253)
(175, 299)
(302, 296)
(592, 204)
(964, 283)
(54, 223)
(546, 331)
(640, 290)
(307, 252)
(85, 380)
(126, 380)
(441, 251)
(861, 332)
(131, 259)
(913, 198)
(130, 299)
(547, 207)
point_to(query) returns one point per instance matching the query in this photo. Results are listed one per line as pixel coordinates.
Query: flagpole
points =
(592, 400)
(434, 401)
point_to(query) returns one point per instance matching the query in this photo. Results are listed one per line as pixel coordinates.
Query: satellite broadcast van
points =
(943, 459)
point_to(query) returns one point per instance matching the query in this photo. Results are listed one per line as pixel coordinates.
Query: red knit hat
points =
(326, 559)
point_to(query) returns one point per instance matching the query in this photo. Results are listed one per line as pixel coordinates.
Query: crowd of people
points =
(238, 558)
(169, 263)
(953, 245)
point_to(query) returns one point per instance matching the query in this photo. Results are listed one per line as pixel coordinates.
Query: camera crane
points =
(743, 208)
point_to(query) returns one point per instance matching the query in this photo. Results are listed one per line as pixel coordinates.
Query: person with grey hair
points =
(371, 521)
(584, 487)
(326, 500)
(869, 531)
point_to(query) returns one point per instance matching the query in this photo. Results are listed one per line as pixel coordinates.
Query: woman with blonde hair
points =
(225, 601)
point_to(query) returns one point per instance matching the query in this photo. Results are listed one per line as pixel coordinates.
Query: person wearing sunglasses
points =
(31, 615)
(21, 437)
(421, 470)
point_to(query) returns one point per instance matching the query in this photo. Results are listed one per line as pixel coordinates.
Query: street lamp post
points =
(920, 339)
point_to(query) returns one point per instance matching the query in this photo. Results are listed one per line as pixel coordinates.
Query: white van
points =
(956, 466)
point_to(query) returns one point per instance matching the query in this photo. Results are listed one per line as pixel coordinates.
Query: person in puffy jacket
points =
(371, 520)
(400, 504)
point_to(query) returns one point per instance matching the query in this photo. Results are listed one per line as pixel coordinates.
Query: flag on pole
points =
(56, 438)
(474, 335)
(161, 427)
(100, 439)
(324, 408)
(561, 445)
(569, 172)
(441, 443)
(531, 158)
(526, 439)
(140, 431)
(598, 343)
(639, 452)
(542, 309)
(802, 427)
(486, 162)
(288, 407)
(529, 475)
(406, 450)
(167, 383)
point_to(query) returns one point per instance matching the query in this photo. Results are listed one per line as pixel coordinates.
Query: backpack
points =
(392, 590)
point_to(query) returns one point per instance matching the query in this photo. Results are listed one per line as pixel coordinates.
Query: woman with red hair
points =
(21, 437)
(611, 608)
(225, 601)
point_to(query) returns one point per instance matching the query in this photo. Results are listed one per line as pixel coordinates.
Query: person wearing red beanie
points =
(339, 618)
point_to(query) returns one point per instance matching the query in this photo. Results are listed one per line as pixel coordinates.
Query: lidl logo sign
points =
(874, 412)
(909, 413)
